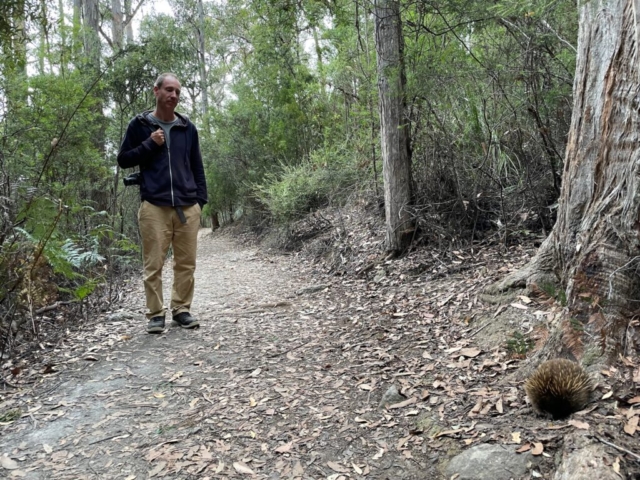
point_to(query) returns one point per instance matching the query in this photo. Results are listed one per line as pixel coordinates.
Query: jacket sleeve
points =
(135, 151)
(198, 169)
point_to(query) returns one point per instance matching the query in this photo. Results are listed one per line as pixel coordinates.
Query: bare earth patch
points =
(285, 377)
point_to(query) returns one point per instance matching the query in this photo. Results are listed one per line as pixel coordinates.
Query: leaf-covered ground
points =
(285, 377)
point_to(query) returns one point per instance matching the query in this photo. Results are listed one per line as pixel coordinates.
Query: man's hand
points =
(158, 136)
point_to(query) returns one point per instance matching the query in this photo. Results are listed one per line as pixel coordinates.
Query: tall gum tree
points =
(593, 251)
(394, 126)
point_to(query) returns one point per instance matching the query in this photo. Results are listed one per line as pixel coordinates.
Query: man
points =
(173, 189)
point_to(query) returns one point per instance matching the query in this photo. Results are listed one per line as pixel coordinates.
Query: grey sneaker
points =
(155, 325)
(185, 320)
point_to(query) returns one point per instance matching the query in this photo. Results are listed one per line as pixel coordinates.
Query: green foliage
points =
(519, 345)
(297, 190)
(10, 415)
(554, 292)
(576, 325)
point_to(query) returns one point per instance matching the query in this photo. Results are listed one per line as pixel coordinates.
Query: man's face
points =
(168, 95)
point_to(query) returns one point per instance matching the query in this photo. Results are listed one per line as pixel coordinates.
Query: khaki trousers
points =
(160, 227)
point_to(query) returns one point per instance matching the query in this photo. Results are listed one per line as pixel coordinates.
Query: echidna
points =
(558, 387)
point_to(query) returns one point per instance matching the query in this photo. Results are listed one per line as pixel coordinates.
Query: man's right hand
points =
(158, 136)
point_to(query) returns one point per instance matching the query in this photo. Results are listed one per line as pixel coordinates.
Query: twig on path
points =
(636, 456)
(174, 440)
(119, 434)
(48, 308)
(479, 330)
(284, 352)
(7, 383)
(49, 390)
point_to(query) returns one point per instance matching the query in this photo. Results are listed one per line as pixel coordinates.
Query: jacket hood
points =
(145, 117)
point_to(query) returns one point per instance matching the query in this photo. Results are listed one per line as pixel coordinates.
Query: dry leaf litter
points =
(329, 363)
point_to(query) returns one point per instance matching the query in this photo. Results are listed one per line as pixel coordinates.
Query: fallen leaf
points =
(579, 424)
(448, 432)
(298, 471)
(336, 467)
(524, 299)
(632, 425)
(252, 402)
(515, 437)
(607, 395)
(47, 448)
(357, 469)
(634, 400)
(520, 306)
(616, 465)
(526, 447)
(379, 454)
(470, 352)
(407, 402)
(537, 448)
(242, 468)
(284, 448)
(626, 361)
(157, 469)
(8, 463)
(499, 406)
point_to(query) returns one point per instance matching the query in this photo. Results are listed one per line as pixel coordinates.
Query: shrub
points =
(328, 177)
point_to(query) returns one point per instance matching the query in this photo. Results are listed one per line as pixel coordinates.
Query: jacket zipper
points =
(173, 202)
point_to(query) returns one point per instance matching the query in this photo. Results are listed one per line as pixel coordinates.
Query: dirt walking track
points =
(266, 388)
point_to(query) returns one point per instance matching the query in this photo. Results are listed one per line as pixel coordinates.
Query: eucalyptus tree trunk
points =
(128, 29)
(43, 48)
(16, 47)
(77, 26)
(91, 20)
(593, 249)
(396, 169)
(117, 24)
(203, 66)
(63, 37)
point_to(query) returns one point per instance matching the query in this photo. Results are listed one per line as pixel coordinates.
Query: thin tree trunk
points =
(63, 38)
(394, 127)
(203, 66)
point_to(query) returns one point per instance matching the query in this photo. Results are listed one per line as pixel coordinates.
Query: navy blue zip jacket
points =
(169, 177)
